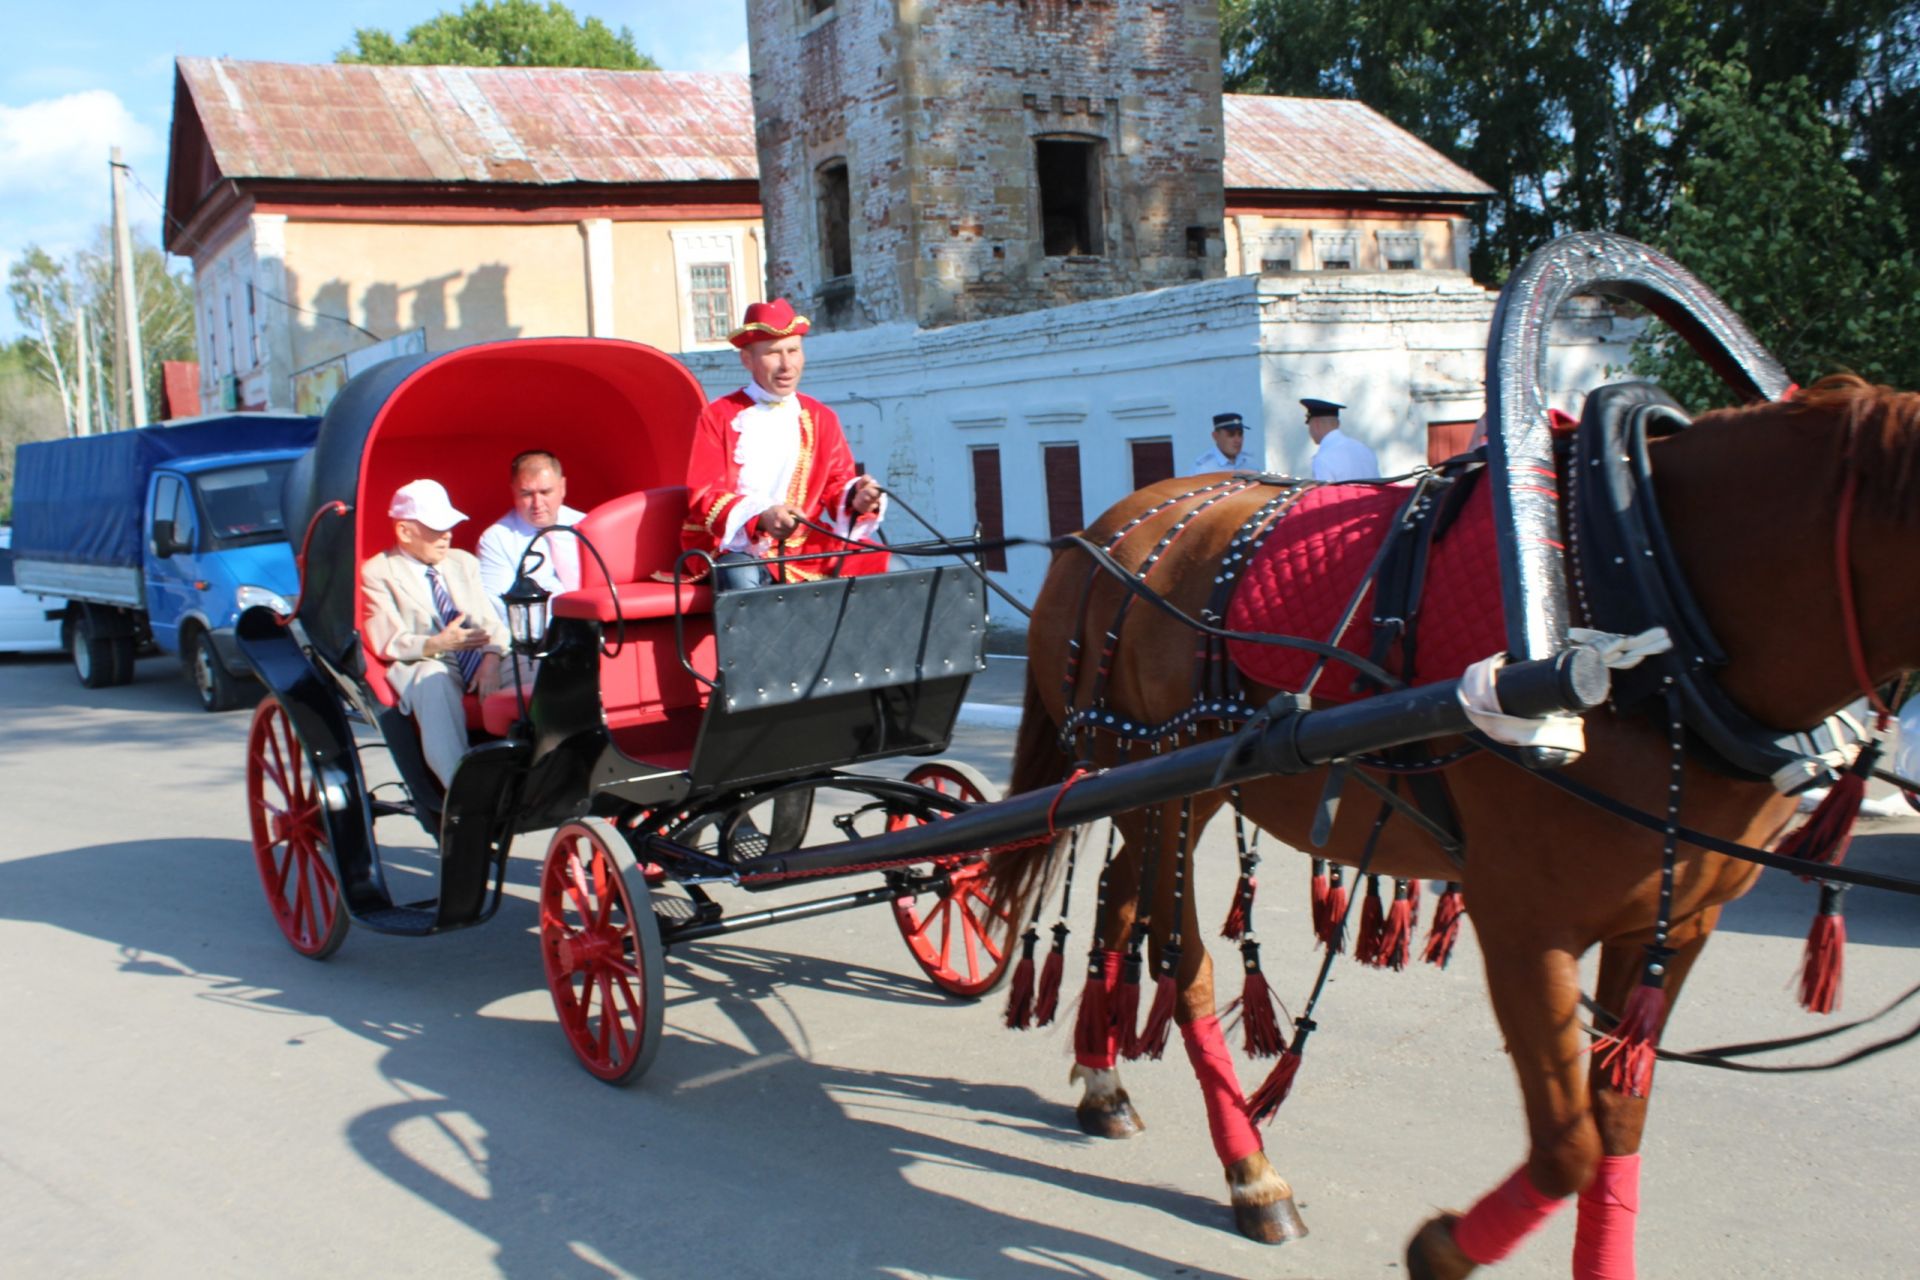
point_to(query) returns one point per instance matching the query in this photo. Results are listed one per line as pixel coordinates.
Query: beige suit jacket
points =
(398, 618)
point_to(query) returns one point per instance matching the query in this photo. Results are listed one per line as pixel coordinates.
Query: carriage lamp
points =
(526, 602)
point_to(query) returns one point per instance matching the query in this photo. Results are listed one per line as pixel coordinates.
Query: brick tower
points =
(935, 161)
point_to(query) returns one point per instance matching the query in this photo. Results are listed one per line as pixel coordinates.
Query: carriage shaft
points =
(1291, 741)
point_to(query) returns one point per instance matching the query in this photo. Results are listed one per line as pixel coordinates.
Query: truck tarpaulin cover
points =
(79, 501)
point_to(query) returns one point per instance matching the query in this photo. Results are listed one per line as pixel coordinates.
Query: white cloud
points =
(58, 146)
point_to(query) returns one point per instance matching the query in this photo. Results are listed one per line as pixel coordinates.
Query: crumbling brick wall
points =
(935, 109)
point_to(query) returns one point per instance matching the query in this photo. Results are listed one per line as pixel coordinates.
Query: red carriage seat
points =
(652, 704)
(619, 416)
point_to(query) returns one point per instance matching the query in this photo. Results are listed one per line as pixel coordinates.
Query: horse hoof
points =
(1110, 1117)
(1432, 1254)
(1274, 1223)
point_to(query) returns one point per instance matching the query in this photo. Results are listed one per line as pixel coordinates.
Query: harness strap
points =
(1700, 839)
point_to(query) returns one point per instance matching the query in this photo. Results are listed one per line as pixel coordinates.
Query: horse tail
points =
(1020, 873)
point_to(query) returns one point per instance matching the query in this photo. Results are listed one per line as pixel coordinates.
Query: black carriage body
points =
(820, 675)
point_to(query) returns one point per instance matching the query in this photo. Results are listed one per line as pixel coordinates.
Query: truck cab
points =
(215, 545)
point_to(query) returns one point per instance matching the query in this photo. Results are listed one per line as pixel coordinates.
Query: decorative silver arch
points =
(1520, 450)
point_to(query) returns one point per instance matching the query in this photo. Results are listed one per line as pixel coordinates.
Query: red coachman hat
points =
(768, 322)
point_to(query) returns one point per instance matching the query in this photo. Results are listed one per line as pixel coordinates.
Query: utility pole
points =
(82, 393)
(131, 377)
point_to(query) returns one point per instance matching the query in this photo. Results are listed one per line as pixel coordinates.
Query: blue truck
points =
(160, 535)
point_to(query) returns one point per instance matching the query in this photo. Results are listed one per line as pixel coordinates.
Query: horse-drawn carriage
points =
(675, 740)
(659, 718)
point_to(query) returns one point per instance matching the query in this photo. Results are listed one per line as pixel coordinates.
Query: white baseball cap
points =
(427, 502)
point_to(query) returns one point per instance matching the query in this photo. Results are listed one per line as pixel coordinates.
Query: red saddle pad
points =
(1306, 571)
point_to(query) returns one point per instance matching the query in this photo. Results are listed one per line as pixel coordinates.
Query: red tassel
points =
(1046, 996)
(1020, 995)
(1274, 1089)
(1257, 1018)
(1236, 926)
(1413, 896)
(1626, 1052)
(1396, 936)
(1154, 1036)
(1090, 1033)
(1366, 947)
(1123, 1008)
(1826, 953)
(1828, 830)
(1279, 1082)
(1446, 925)
(1334, 933)
(1321, 890)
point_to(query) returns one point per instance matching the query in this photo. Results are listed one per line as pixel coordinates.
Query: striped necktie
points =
(469, 659)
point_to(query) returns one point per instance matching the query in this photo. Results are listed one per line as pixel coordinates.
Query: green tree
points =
(56, 300)
(29, 410)
(1771, 217)
(503, 33)
(1572, 109)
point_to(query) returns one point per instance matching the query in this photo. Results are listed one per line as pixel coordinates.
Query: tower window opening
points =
(1070, 207)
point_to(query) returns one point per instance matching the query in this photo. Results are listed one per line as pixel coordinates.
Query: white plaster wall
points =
(1401, 349)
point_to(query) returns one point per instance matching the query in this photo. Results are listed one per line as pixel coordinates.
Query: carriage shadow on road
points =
(742, 1150)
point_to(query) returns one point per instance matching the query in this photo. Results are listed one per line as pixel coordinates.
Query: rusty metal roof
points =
(1333, 145)
(550, 125)
(535, 125)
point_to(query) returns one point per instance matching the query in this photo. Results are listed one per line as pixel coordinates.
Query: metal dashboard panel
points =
(787, 644)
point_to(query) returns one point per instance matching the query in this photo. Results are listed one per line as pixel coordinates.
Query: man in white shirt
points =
(1229, 443)
(1338, 457)
(539, 502)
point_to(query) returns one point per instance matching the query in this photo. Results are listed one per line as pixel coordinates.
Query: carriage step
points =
(674, 909)
(419, 918)
(747, 844)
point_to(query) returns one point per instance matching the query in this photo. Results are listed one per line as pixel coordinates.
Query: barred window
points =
(711, 287)
(1270, 266)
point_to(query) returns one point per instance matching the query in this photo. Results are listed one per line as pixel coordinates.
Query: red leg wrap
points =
(1504, 1217)
(1603, 1240)
(1234, 1137)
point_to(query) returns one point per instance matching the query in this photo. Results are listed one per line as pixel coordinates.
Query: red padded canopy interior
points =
(618, 415)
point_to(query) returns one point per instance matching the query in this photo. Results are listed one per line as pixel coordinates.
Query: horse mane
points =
(1882, 426)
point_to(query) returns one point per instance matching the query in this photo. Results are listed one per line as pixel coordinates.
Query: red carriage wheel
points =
(290, 836)
(965, 938)
(601, 946)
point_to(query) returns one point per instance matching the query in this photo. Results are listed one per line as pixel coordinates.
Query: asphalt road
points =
(184, 1096)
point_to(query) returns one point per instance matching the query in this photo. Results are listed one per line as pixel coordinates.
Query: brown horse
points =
(1752, 500)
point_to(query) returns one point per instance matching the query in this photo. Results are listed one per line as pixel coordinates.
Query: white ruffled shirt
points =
(767, 453)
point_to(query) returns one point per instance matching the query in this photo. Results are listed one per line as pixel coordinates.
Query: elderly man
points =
(768, 463)
(1229, 441)
(539, 502)
(1338, 457)
(423, 610)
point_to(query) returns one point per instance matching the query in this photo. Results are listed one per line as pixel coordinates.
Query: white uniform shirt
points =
(1341, 458)
(506, 539)
(1214, 460)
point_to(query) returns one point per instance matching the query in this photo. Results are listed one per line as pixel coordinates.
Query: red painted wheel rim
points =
(592, 953)
(963, 939)
(289, 836)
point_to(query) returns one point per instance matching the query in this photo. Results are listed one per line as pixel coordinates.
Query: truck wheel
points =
(218, 690)
(95, 657)
(122, 650)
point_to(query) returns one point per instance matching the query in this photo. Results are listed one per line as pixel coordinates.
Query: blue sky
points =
(76, 78)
